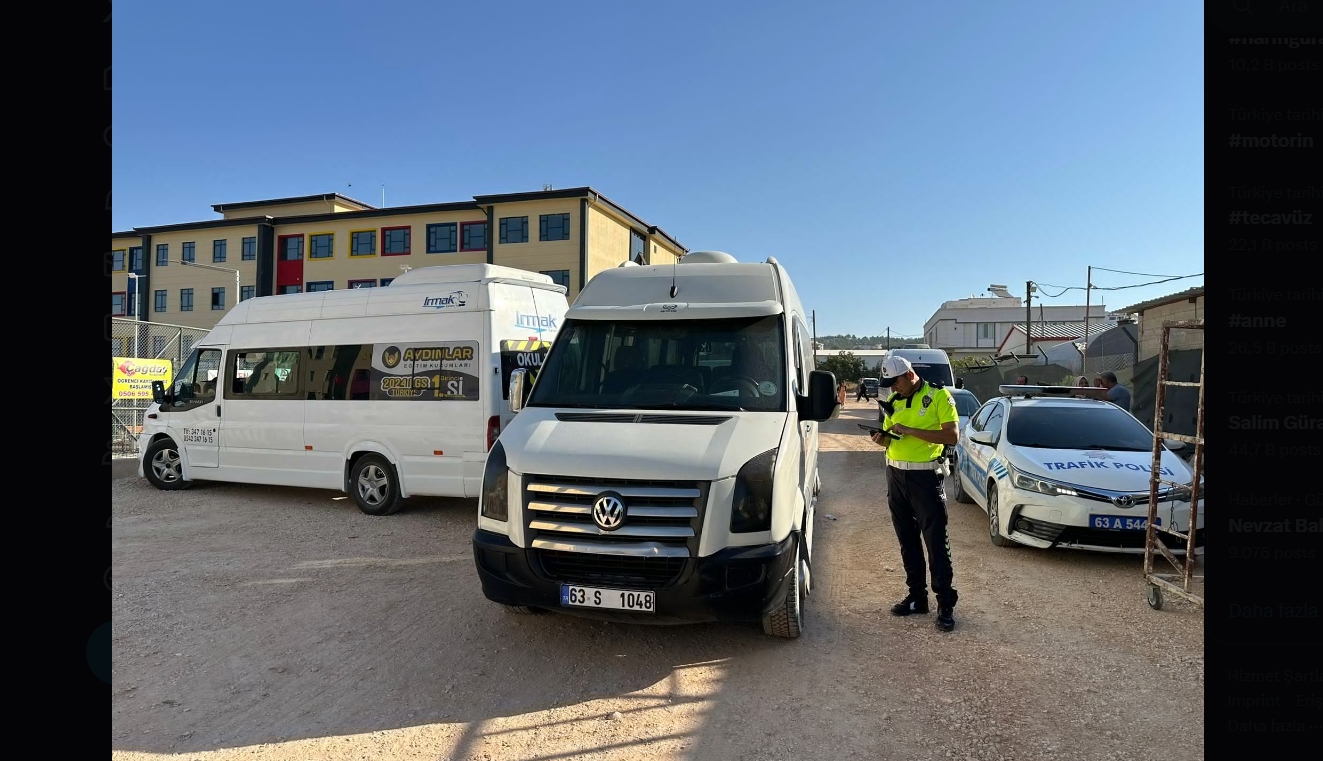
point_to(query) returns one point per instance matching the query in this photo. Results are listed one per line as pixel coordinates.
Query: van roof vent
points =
(708, 257)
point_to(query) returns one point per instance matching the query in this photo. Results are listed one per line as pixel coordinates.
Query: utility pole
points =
(1028, 316)
(1088, 302)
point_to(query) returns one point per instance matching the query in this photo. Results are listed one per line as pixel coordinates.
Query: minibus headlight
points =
(495, 491)
(751, 508)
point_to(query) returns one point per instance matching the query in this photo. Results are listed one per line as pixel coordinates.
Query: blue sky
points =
(891, 155)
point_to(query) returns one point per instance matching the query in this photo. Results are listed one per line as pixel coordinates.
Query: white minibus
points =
(384, 393)
(664, 466)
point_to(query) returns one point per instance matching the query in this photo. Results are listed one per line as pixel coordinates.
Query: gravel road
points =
(268, 623)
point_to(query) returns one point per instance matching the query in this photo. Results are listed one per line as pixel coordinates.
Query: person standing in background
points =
(1116, 393)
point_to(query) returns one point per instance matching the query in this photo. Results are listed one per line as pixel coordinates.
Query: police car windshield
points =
(1077, 427)
(728, 364)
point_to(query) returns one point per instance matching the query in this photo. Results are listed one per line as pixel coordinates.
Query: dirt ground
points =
(266, 623)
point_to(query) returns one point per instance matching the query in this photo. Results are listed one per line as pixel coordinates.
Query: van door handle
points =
(218, 410)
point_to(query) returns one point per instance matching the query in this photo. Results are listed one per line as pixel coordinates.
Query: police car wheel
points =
(521, 609)
(994, 518)
(961, 495)
(163, 466)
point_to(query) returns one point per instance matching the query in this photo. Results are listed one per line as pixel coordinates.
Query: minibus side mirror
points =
(519, 389)
(158, 392)
(821, 402)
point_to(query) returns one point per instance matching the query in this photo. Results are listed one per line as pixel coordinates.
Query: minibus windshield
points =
(726, 364)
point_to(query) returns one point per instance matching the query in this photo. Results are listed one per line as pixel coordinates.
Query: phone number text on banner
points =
(132, 378)
(437, 371)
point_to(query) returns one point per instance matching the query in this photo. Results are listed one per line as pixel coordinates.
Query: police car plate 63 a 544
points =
(610, 599)
(1121, 522)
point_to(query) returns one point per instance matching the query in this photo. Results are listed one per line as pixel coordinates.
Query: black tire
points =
(994, 529)
(375, 486)
(961, 495)
(163, 466)
(1155, 597)
(787, 621)
(522, 610)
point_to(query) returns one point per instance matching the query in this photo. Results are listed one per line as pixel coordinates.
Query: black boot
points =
(912, 603)
(945, 618)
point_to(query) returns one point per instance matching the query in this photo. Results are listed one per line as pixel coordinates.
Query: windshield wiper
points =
(568, 405)
(693, 407)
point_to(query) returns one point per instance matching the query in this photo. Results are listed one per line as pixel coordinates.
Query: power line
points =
(1066, 288)
(1137, 274)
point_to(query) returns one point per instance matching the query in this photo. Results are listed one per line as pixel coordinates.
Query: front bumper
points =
(735, 585)
(1065, 523)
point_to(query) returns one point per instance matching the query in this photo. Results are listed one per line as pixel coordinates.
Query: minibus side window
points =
(339, 373)
(264, 373)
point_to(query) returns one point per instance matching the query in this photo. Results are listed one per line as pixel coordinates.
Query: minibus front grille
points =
(663, 519)
(628, 571)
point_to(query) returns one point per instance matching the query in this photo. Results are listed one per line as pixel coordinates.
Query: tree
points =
(845, 366)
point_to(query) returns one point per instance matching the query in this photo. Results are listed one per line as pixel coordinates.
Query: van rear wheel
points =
(375, 486)
(163, 466)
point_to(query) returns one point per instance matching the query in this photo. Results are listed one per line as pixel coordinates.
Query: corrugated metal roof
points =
(1063, 330)
(1143, 306)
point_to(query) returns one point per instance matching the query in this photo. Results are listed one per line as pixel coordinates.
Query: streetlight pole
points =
(1088, 306)
(218, 269)
(136, 306)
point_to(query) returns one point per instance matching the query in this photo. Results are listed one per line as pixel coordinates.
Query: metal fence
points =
(143, 340)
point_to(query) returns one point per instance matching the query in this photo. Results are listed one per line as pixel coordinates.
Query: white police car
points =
(1053, 469)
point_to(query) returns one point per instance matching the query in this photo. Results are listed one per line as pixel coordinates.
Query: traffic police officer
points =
(924, 417)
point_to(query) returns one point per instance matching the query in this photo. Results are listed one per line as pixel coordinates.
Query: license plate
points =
(611, 599)
(1121, 522)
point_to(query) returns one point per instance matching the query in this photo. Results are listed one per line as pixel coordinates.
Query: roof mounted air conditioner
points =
(708, 257)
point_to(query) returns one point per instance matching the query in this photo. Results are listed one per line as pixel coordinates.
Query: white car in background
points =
(1055, 469)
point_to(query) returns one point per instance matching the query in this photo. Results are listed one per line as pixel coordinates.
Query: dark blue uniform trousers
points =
(918, 511)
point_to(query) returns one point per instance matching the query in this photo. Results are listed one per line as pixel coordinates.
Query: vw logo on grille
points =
(1125, 500)
(609, 512)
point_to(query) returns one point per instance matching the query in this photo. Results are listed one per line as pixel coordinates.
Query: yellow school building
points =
(188, 273)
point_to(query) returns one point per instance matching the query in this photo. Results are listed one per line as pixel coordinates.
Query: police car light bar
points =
(1086, 392)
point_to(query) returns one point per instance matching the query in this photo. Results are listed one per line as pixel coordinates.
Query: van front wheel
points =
(163, 466)
(375, 486)
(787, 621)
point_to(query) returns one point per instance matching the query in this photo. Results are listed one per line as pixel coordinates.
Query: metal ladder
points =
(1160, 582)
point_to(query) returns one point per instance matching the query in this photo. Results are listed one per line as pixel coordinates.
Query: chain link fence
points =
(135, 339)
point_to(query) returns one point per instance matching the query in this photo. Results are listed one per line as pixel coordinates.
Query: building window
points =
(385, 281)
(321, 285)
(291, 248)
(554, 227)
(188, 251)
(321, 246)
(185, 299)
(514, 229)
(161, 301)
(638, 248)
(363, 243)
(135, 259)
(441, 238)
(249, 249)
(473, 236)
(362, 284)
(218, 250)
(559, 277)
(162, 254)
(395, 241)
(117, 303)
(247, 292)
(288, 289)
(117, 260)
(217, 299)
(986, 330)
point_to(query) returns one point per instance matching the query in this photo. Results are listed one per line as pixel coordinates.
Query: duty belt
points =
(902, 465)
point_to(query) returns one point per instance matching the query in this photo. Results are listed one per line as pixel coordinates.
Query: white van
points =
(664, 466)
(385, 393)
(933, 365)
